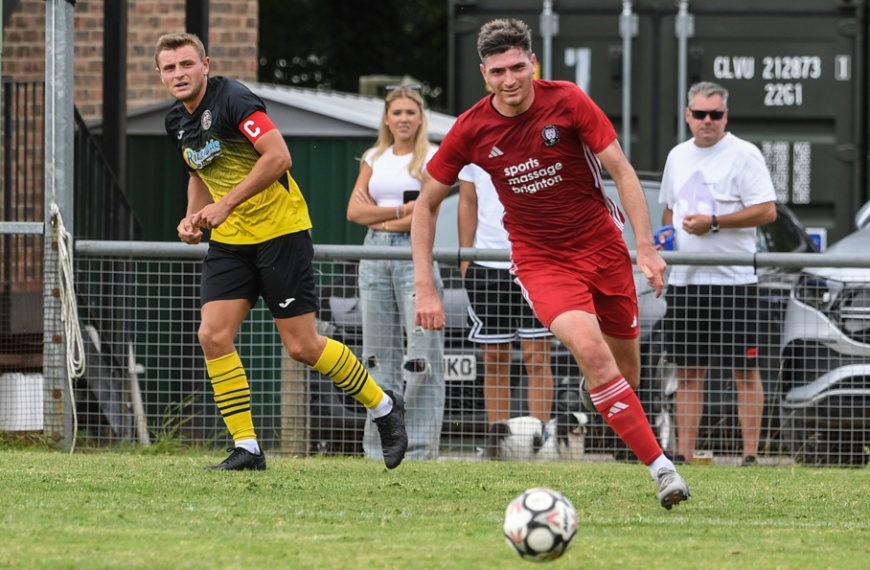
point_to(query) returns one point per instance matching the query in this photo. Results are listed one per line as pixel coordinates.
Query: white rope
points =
(75, 352)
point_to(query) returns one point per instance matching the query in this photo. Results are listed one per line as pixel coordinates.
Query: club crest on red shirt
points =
(550, 134)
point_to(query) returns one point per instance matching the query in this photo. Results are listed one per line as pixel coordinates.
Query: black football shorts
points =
(280, 270)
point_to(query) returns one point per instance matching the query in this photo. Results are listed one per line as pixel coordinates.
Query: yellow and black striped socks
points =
(232, 395)
(348, 373)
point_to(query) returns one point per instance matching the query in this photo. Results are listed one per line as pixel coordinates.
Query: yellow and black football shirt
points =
(212, 144)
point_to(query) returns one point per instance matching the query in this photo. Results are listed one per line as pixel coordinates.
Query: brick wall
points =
(233, 40)
(232, 43)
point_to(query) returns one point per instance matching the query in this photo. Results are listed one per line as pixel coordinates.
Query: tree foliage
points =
(331, 43)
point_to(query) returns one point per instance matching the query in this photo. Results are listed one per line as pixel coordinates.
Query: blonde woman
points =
(399, 354)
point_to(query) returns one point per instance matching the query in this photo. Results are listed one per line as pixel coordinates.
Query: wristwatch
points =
(714, 226)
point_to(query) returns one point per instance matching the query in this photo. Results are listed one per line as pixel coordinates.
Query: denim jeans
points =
(414, 369)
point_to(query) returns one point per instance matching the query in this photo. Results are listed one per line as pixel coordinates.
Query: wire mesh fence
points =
(21, 333)
(146, 380)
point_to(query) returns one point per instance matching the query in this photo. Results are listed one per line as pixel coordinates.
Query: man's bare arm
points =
(198, 197)
(429, 309)
(466, 217)
(274, 161)
(634, 203)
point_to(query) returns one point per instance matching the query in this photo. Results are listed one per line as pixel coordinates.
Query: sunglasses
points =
(412, 86)
(701, 115)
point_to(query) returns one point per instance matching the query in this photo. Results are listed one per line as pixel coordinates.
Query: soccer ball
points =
(540, 524)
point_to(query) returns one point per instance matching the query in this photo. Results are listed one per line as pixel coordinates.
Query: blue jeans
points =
(414, 369)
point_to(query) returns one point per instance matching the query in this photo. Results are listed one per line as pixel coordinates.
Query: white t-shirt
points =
(722, 179)
(490, 233)
(390, 176)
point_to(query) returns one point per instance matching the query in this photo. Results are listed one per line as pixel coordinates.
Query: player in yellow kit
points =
(240, 188)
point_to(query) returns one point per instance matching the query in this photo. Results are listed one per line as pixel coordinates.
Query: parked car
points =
(337, 419)
(825, 412)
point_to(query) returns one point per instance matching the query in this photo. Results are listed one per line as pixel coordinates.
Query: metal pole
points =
(196, 19)
(627, 30)
(549, 30)
(59, 144)
(114, 141)
(136, 397)
(685, 29)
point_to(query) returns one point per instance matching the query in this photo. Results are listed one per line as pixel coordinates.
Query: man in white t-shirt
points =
(718, 190)
(498, 313)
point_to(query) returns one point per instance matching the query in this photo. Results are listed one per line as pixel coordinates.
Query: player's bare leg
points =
(217, 332)
(615, 399)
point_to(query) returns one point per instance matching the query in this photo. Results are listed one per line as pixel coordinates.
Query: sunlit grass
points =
(130, 510)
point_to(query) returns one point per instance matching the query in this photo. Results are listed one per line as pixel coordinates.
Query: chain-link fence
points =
(145, 379)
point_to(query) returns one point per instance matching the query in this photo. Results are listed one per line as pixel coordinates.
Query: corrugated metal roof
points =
(355, 109)
(300, 112)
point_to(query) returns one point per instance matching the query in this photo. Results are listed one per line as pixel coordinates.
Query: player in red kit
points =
(544, 144)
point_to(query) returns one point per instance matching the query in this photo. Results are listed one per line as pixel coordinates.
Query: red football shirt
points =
(544, 166)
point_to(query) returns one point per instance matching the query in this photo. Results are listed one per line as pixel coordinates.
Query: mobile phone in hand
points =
(409, 195)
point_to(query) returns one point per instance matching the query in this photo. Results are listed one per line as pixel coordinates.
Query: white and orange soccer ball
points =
(540, 524)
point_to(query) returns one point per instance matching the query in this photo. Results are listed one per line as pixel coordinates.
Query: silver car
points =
(825, 412)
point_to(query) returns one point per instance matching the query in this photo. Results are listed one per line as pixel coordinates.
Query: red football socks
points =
(621, 409)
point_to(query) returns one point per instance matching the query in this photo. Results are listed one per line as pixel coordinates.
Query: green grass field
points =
(130, 510)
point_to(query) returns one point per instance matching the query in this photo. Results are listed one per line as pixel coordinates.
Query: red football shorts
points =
(601, 283)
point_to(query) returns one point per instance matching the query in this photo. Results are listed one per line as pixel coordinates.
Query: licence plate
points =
(460, 367)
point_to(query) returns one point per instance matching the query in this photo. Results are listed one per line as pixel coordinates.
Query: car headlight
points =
(817, 292)
(854, 308)
(846, 305)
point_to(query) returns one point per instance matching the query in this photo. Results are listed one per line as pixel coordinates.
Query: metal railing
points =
(102, 211)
